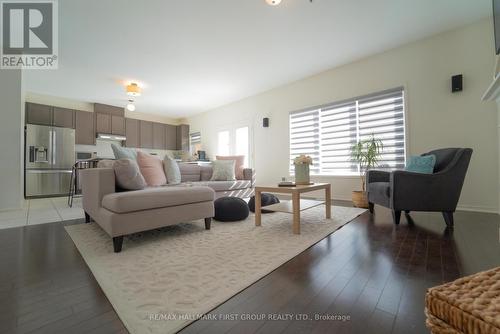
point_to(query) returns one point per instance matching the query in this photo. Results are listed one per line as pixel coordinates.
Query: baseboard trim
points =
(473, 208)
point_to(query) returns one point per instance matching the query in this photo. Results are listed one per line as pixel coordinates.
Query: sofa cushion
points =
(189, 172)
(154, 198)
(152, 169)
(206, 173)
(225, 185)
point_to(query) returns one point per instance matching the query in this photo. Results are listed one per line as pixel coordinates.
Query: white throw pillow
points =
(223, 170)
(172, 171)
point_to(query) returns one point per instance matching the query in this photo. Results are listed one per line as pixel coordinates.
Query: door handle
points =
(32, 154)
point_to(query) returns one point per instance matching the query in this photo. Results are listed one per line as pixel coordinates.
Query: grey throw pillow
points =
(124, 152)
(128, 175)
(172, 171)
(223, 170)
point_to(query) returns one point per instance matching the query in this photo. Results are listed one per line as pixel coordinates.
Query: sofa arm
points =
(377, 176)
(424, 192)
(249, 174)
(96, 182)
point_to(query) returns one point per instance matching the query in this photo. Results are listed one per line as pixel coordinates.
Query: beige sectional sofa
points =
(126, 212)
(120, 213)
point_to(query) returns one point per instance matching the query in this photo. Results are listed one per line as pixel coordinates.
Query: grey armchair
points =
(407, 191)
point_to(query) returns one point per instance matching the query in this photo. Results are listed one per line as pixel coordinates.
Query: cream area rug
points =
(167, 278)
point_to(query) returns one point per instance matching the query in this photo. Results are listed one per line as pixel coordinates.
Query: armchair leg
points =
(117, 244)
(448, 218)
(396, 216)
(370, 206)
(87, 218)
(208, 222)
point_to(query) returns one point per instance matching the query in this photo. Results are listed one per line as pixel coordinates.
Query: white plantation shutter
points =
(304, 137)
(327, 133)
(338, 134)
(383, 116)
(195, 138)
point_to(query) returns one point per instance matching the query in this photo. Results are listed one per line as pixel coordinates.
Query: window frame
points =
(355, 174)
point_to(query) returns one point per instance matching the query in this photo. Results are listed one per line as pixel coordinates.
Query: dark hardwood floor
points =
(370, 271)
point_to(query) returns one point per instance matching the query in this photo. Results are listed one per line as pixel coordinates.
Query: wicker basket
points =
(468, 305)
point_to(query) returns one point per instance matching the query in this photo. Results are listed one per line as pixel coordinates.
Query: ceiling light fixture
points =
(133, 89)
(273, 2)
(130, 105)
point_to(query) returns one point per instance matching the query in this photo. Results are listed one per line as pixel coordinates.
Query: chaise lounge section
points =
(127, 212)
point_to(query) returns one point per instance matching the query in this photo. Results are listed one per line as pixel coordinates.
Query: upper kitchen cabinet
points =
(38, 114)
(183, 137)
(85, 132)
(170, 137)
(158, 136)
(63, 117)
(132, 132)
(109, 119)
(102, 123)
(146, 134)
(117, 125)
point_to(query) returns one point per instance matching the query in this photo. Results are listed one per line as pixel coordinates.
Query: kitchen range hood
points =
(108, 136)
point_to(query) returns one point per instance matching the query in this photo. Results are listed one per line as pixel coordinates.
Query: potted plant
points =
(301, 164)
(366, 154)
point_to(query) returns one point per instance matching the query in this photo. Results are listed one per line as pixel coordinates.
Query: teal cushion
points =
(421, 164)
(124, 152)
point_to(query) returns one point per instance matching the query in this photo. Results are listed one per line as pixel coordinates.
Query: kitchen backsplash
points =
(103, 149)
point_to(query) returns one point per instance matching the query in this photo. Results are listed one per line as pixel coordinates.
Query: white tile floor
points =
(40, 211)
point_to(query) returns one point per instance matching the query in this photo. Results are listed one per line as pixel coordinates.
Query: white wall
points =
(436, 118)
(11, 139)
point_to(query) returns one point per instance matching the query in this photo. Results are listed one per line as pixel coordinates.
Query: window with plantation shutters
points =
(328, 132)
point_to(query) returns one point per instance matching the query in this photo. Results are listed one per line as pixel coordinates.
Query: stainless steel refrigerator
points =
(50, 156)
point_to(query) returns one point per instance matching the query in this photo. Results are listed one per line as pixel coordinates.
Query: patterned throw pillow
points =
(172, 170)
(239, 162)
(421, 164)
(223, 170)
(152, 169)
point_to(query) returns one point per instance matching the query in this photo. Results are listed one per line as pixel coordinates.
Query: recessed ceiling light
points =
(273, 2)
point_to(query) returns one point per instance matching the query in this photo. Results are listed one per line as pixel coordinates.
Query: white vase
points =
(302, 175)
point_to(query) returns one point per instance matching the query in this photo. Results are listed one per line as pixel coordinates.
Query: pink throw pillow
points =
(151, 169)
(238, 164)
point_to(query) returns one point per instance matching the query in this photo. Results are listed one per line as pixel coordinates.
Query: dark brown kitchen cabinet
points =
(170, 137)
(146, 134)
(158, 136)
(109, 110)
(132, 132)
(85, 132)
(102, 123)
(117, 125)
(38, 114)
(63, 117)
(183, 137)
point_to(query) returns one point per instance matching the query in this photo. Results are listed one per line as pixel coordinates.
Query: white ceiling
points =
(195, 55)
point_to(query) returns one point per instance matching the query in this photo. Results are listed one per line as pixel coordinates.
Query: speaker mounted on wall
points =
(456, 83)
(265, 122)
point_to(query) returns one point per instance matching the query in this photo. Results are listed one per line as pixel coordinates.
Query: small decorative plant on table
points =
(366, 154)
(301, 164)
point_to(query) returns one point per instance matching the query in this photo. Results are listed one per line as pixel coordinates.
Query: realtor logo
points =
(29, 34)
